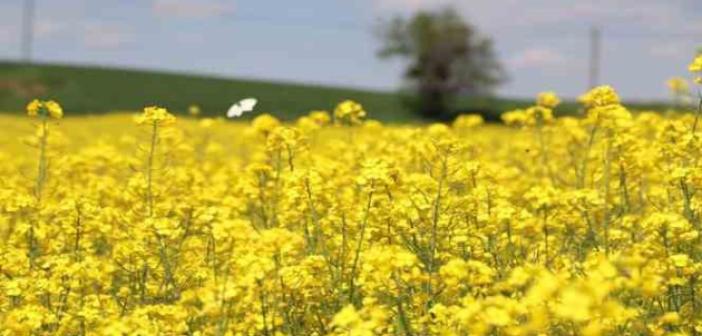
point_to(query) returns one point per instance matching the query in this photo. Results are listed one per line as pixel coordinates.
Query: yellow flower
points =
(468, 121)
(349, 112)
(678, 85)
(515, 117)
(539, 114)
(574, 305)
(55, 110)
(265, 124)
(696, 68)
(696, 64)
(285, 138)
(154, 115)
(670, 318)
(51, 108)
(33, 108)
(380, 229)
(680, 260)
(497, 316)
(548, 99)
(346, 317)
(321, 118)
(600, 96)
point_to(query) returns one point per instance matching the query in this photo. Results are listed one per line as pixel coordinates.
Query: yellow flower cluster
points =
(264, 124)
(548, 99)
(679, 90)
(155, 116)
(349, 112)
(48, 108)
(678, 85)
(603, 107)
(539, 114)
(696, 68)
(561, 226)
(468, 121)
(601, 96)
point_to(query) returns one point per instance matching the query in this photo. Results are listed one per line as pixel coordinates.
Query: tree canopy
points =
(447, 58)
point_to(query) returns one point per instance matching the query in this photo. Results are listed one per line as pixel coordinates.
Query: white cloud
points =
(192, 9)
(537, 57)
(106, 36)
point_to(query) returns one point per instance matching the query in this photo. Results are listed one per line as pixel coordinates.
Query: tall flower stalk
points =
(156, 118)
(44, 110)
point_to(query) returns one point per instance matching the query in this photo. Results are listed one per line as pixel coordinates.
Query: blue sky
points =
(542, 43)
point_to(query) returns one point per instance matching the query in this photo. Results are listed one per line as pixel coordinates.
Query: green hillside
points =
(83, 90)
(96, 90)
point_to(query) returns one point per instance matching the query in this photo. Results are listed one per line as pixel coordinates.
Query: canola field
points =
(339, 225)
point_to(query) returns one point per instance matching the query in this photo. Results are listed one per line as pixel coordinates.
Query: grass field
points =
(96, 90)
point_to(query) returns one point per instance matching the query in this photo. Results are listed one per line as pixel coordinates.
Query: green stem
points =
(436, 212)
(149, 170)
(546, 236)
(544, 155)
(39, 186)
(583, 167)
(41, 174)
(264, 309)
(359, 245)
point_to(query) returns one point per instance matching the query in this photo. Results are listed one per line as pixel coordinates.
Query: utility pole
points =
(594, 76)
(27, 30)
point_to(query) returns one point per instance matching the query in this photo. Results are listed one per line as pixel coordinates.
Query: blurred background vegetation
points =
(450, 69)
(94, 90)
(447, 58)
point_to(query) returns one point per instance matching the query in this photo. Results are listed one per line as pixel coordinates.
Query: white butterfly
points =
(245, 105)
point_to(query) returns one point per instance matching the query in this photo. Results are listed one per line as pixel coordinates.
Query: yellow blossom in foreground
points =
(584, 225)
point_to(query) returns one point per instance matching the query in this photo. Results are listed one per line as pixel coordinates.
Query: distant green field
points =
(83, 90)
